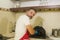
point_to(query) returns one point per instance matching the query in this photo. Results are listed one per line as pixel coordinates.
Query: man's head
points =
(30, 13)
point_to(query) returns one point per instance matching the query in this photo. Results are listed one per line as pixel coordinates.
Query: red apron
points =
(26, 36)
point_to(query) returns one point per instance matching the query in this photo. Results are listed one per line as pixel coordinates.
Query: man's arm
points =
(30, 29)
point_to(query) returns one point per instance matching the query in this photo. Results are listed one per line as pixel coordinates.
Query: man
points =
(23, 26)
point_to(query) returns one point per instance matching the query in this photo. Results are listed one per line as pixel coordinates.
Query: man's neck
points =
(28, 16)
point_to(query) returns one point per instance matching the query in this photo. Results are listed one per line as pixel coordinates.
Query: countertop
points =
(51, 38)
(30, 39)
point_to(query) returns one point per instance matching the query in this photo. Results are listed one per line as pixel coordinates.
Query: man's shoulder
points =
(23, 16)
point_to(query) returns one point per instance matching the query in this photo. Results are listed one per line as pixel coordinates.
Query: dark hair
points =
(32, 9)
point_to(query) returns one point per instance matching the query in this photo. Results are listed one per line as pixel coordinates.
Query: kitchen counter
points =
(54, 38)
(50, 38)
(37, 39)
(40, 39)
(33, 39)
(30, 39)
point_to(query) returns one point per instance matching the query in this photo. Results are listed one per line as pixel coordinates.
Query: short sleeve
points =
(27, 21)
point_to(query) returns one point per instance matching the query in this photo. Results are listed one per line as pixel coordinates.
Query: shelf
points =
(38, 8)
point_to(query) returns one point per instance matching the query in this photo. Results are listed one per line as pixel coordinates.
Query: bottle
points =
(55, 32)
(59, 32)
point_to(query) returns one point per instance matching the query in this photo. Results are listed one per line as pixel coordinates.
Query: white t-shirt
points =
(21, 26)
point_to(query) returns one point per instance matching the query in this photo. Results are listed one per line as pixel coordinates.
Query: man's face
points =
(31, 13)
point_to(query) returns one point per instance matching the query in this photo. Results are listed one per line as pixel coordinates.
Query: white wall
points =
(40, 3)
(6, 3)
(30, 3)
(53, 2)
(10, 4)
